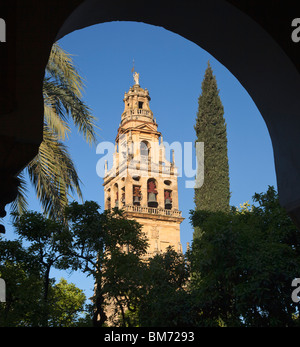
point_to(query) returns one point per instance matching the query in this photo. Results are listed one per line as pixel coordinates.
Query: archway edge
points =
(245, 49)
(230, 35)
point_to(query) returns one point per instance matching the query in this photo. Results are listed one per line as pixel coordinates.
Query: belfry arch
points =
(250, 38)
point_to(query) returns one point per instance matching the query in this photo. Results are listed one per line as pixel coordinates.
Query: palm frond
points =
(66, 104)
(53, 174)
(61, 67)
(20, 204)
(55, 122)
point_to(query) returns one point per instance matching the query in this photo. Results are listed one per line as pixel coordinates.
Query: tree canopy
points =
(243, 265)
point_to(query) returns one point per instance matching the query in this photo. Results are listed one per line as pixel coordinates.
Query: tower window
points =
(168, 199)
(152, 192)
(140, 104)
(137, 196)
(123, 196)
(144, 148)
(116, 194)
(108, 203)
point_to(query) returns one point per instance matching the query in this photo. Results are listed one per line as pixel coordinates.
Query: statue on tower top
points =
(136, 77)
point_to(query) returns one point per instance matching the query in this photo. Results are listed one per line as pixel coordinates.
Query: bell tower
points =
(142, 181)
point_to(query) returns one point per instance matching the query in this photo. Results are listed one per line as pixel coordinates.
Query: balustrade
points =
(152, 210)
(137, 112)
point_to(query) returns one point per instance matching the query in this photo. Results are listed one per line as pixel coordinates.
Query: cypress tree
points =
(210, 128)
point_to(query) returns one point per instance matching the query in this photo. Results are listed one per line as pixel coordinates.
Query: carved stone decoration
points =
(154, 233)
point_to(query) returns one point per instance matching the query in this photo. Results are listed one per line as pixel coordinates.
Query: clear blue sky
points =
(172, 69)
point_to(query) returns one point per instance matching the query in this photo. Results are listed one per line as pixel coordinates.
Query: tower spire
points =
(142, 180)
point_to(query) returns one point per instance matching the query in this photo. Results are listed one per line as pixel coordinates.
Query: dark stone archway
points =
(251, 38)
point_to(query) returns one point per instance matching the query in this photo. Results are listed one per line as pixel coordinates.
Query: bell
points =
(136, 200)
(152, 200)
(168, 204)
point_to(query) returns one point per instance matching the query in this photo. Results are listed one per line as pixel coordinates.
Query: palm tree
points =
(52, 171)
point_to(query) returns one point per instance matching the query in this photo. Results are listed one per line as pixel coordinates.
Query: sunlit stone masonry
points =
(142, 181)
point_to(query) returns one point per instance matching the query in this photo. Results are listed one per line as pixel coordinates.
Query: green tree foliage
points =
(239, 273)
(48, 241)
(67, 303)
(244, 263)
(211, 129)
(166, 300)
(47, 244)
(25, 304)
(24, 286)
(108, 247)
(104, 245)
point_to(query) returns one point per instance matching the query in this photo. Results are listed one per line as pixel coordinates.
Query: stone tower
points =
(142, 181)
